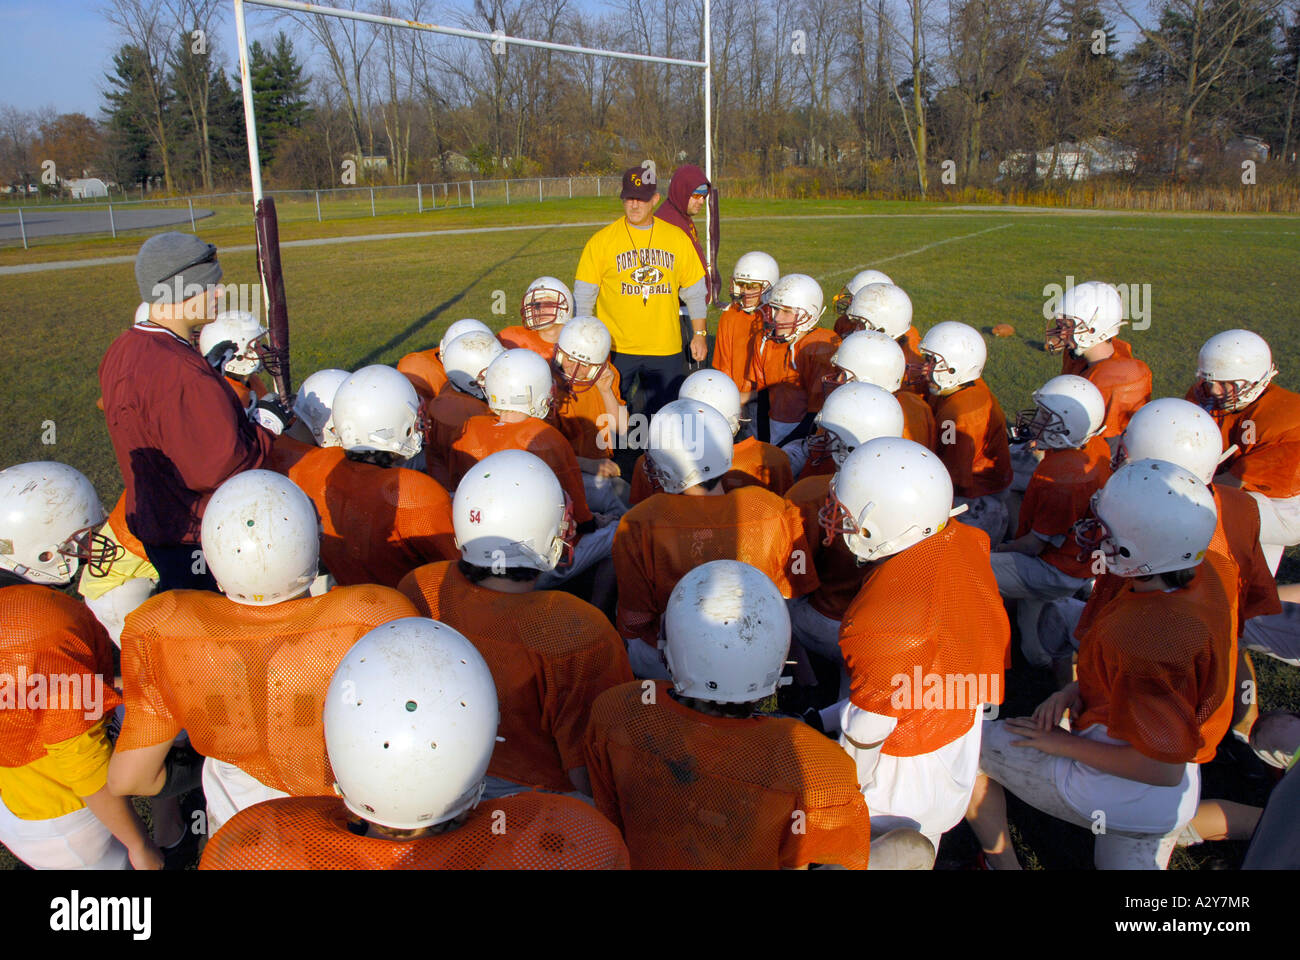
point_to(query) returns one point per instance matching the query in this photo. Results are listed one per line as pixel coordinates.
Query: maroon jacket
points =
(178, 432)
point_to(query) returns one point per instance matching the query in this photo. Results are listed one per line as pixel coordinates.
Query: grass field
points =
(371, 302)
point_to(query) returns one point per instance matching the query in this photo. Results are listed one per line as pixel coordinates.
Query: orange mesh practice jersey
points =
(425, 371)
(529, 831)
(247, 683)
(979, 456)
(1124, 382)
(696, 792)
(838, 571)
(663, 538)
(286, 451)
(520, 337)
(1267, 435)
(918, 418)
(51, 650)
(1237, 536)
(379, 523)
(793, 373)
(117, 520)
(1157, 668)
(1057, 498)
(245, 391)
(484, 435)
(580, 415)
(445, 416)
(753, 464)
(912, 356)
(733, 344)
(927, 638)
(550, 654)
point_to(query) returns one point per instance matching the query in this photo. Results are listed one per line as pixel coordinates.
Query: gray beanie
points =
(172, 267)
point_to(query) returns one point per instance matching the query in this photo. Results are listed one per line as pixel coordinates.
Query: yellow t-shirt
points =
(54, 784)
(640, 273)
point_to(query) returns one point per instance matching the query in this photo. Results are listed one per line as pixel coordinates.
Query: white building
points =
(85, 187)
(1074, 161)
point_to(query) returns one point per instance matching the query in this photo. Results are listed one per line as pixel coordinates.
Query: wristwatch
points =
(701, 333)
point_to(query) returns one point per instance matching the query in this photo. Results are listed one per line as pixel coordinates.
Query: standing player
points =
(550, 652)
(1085, 333)
(243, 674)
(465, 361)
(694, 521)
(410, 722)
(424, 367)
(1234, 381)
(56, 812)
(928, 613)
(546, 307)
(1153, 676)
(231, 344)
(380, 520)
(886, 308)
(693, 776)
(845, 297)
(741, 323)
(970, 423)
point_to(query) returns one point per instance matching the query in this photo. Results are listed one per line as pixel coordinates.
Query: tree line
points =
(852, 95)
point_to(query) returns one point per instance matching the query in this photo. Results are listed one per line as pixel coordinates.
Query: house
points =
(83, 188)
(1074, 161)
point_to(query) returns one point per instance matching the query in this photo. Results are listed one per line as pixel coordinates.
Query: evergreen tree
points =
(132, 153)
(279, 93)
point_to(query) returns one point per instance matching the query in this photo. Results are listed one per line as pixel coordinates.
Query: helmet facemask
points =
(580, 375)
(543, 306)
(785, 324)
(1233, 395)
(97, 551)
(1060, 336)
(748, 293)
(1042, 427)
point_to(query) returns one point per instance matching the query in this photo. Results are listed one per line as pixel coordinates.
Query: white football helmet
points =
(467, 358)
(1151, 517)
(546, 301)
(854, 284)
(881, 306)
(752, 279)
(1089, 314)
(261, 538)
(795, 303)
(411, 719)
(1176, 431)
(582, 352)
(954, 354)
(1068, 411)
(245, 330)
(1232, 370)
(852, 415)
(377, 410)
(461, 327)
(888, 494)
(49, 515)
(314, 404)
(141, 313)
(510, 511)
(519, 380)
(726, 633)
(869, 356)
(690, 443)
(716, 389)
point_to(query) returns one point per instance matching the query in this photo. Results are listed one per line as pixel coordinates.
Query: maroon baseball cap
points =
(635, 185)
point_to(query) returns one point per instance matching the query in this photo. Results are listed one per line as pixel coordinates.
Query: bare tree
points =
(149, 32)
(192, 74)
(347, 45)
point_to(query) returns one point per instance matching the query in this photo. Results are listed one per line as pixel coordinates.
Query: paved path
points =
(52, 221)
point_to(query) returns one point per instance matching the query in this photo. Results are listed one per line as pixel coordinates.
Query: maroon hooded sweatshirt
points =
(673, 210)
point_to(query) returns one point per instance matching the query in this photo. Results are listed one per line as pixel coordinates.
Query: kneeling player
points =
(886, 308)
(871, 356)
(546, 307)
(424, 367)
(410, 722)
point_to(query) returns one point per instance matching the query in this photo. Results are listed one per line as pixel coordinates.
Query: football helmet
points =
(859, 280)
(467, 358)
(461, 327)
(245, 331)
(314, 404)
(1151, 517)
(410, 721)
(1068, 411)
(752, 279)
(519, 380)
(1088, 314)
(716, 389)
(546, 301)
(690, 443)
(261, 538)
(1232, 369)
(510, 511)
(954, 354)
(726, 633)
(888, 494)
(582, 352)
(852, 415)
(881, 306)
(795, 303)
(377, 410)
(1176, 431)
(49, 515)
(868, 356)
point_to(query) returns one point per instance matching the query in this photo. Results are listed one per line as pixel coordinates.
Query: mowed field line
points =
(910, 253)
